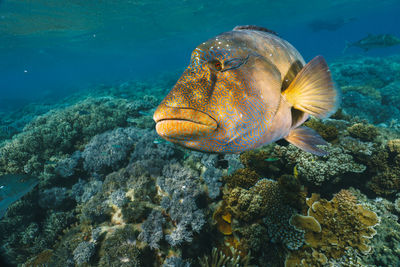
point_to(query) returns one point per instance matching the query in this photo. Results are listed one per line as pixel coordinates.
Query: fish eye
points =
(216, 65)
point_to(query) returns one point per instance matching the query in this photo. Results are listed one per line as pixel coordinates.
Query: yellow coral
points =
(394, 146)
(222, 219)
(343, 223)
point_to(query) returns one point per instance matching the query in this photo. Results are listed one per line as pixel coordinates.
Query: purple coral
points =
(183, 188)
(152, 232)
(66, 167)
(108, 150)
(83, 252)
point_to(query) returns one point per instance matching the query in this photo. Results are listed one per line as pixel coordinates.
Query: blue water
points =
(51, 48)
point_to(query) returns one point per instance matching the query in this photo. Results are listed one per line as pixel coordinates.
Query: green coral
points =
(366, 90)
(263, 161)
(328, 132)
(244, 178)
(61, 132)
(119, 250)
(385, 173)
(318, 170)
(266, 200)
(363, 131)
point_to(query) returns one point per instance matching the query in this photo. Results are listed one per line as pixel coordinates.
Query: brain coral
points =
(343, 224)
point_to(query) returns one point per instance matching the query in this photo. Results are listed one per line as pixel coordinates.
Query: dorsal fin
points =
(254, 28)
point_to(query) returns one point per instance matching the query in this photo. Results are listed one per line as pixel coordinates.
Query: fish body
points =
(329, 24)
(375, 41)
(241, 91)
(13, 187)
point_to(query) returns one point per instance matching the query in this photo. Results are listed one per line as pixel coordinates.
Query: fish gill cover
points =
(87, 181)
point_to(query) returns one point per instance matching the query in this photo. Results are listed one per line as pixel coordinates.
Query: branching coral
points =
(365, 132)
(328, 132)
(61, 132)
(182, 188)
(385, 170)
(317, 170)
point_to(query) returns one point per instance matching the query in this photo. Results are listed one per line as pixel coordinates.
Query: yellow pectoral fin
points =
(307, 139)
(313, 91)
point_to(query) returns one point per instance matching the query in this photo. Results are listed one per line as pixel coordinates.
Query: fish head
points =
(221, 101)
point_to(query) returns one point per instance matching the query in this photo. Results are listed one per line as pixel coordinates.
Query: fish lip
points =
(207, 120)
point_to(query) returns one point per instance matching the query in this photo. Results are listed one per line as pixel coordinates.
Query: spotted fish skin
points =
(229, 98)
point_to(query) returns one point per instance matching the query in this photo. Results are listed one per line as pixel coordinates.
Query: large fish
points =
(246, 88)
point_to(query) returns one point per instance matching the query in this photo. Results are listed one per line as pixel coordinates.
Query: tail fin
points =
(312, 90)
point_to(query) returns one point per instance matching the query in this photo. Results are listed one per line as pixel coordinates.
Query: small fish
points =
(145, 113)
(374, 41)
(83, 112)
(329, 24)
(131, 120)
(13, 187)
(117, 146)
(158, 141)
(244, 89)
(271, 159)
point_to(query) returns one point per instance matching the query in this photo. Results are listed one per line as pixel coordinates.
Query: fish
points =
(13, 187)
(271, 159)
(329, 24)
(374, 41)
(246, 88)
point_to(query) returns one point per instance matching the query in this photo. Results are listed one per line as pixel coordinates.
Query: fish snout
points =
(181, 123)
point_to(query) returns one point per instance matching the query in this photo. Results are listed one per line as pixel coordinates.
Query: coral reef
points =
(83, 252)
(60, 132)
(182, 190)
(370, 87)
(328, 132)
(365, 132)
(109, 149)
(265, 200)
(318, 170)
(340, 221)
(112, 193)
(385, 170)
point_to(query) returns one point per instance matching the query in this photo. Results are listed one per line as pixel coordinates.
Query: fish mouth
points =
(174, 123)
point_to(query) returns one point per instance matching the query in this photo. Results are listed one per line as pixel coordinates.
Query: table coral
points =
(343, 223)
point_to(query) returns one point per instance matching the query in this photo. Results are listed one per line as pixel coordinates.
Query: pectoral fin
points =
(307, 139)
(312, 90)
